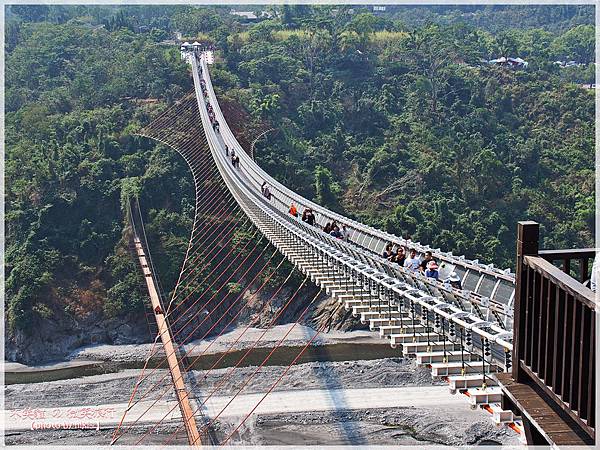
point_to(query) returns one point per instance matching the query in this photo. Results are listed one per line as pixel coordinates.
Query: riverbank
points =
(228, 350)
(397, 407)
(234, 340)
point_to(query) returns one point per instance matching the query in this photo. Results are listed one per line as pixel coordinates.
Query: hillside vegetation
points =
(412, 131)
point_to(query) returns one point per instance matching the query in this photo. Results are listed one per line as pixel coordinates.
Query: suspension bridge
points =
(240, 237)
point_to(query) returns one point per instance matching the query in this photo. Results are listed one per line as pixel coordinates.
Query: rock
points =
(55, 339)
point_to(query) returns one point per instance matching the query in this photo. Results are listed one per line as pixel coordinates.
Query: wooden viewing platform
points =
(552, 384)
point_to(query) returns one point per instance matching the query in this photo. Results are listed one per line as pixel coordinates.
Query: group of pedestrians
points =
(333, 229)
(411, 261)
(308, 216)
(211, 113)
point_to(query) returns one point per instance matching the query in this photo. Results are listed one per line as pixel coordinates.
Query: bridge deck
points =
(479, 280)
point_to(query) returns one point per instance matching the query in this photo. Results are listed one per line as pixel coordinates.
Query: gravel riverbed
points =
(408, 426)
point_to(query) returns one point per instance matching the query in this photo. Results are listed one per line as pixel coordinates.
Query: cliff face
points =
(55, 338)
(322, 313)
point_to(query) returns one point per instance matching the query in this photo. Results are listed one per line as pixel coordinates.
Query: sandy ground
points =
(407, 425)
(389, 426)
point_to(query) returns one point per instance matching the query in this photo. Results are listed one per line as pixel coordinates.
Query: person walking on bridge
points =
(400, 256)
(454, 280)
(387, 253)
(293, 210)
(344, 232)
(425, 263)
(310, 217)
(432, 270)
(336, 233)
(266, 192)
(412, 262)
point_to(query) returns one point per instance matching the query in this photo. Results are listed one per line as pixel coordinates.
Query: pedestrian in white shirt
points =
(413, 261)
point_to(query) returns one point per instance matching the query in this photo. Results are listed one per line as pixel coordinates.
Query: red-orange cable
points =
(241, 359)
(261, 365)
(172, 324)
(228, 375)
(188, 351)
(214, 309)
(210, 230)
(210, 246)
(252, 322)
(137, 384)
(277, 381)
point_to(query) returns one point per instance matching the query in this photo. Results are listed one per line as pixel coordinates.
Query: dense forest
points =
(395, 118)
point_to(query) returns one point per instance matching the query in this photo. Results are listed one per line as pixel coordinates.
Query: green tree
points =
(327, 191)
(576, 44)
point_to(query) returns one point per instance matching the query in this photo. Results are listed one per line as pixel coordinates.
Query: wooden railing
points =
(554, 328)
(582, 257)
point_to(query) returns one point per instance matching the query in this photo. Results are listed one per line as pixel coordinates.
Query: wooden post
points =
(584, 267)
(567, 266)
(528, 233)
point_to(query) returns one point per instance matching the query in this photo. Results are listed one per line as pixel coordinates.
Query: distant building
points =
(563, 64)
(379, 8)
(247, 15)
(516, 63)
(186, 51)
(251, 16)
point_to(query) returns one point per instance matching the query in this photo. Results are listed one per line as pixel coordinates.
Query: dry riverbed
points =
(352, 361)
(452, 425)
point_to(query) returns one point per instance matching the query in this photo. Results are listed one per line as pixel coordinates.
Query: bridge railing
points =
(580, 256)
(554, 332)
